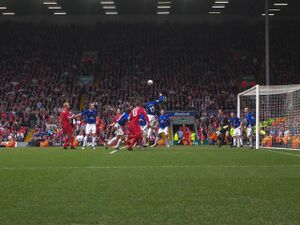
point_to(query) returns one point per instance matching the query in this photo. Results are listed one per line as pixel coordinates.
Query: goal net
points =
(276, 112)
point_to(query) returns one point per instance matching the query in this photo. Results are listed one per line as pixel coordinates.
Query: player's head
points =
(118, 111)
(246, 110)
(232, 114)
(66, 105)
(128, 109)
(162, 112)
(220, 112)
(92, 106)
(138, 102)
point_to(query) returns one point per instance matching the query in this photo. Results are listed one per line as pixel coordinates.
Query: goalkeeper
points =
(223, 130)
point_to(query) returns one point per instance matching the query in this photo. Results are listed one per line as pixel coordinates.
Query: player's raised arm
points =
(160, 99)
(73, 116)
(83, 113)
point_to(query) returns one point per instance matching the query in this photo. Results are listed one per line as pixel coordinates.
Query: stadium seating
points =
(197, 66)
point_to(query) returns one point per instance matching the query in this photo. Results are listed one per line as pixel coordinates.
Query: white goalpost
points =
(276, 110)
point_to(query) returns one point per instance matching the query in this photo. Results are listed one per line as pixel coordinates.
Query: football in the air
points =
(150, 82)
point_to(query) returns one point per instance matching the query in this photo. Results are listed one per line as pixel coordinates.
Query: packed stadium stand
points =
(197, 66)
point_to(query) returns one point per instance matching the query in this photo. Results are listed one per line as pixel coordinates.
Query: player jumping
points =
(151, 112)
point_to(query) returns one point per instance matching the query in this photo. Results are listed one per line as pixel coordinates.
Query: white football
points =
(150, 82)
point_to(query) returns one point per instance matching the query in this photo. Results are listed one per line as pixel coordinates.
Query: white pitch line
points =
(148, 167)
(114, 151)
(284, 153)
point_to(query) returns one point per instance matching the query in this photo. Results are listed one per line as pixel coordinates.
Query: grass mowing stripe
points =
(148, 167)
(186, 185)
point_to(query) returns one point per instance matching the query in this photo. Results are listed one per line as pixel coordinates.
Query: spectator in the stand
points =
(197, 66)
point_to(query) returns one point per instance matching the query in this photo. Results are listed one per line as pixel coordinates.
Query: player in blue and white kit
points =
(90, 128)
(122, 122)
(249, 123)
(144, 128)
(237, 132)
(151, 112)
(163, 122)
(120, 130)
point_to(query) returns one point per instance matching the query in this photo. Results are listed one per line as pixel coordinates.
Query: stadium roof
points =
(147, 7)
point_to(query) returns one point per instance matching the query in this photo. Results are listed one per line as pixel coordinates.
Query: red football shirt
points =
(136, 113)
(64, 118)
(117, 117)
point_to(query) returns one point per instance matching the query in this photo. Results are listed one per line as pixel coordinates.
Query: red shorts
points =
(134, 129)
(67, 130)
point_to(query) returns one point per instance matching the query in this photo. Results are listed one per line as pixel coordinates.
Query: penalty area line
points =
(283, 153)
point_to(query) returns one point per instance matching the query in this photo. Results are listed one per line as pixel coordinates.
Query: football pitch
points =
(176, 186)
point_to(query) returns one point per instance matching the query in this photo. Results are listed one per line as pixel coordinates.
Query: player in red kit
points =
(116, 128)
(135, 132)
(67, 126)
(118, 115)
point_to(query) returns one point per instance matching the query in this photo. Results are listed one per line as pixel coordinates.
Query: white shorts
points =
(144, 129)
(237, 132)
(152, 119)
(249, 131)
(119, 130)
(163, 130)
(79, 138)
(90, 128)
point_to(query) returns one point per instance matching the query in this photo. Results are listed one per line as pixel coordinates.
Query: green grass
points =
(176, 186)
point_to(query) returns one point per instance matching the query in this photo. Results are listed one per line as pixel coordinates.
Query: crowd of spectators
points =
(197, 66)
(12, 127)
